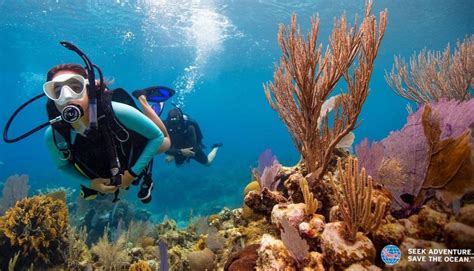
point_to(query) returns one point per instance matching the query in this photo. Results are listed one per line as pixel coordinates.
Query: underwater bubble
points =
(196, 26)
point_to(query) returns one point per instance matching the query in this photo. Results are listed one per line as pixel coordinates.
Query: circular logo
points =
(391, 254)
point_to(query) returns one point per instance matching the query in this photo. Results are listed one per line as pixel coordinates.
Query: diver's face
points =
(73, 90)
(174, 122)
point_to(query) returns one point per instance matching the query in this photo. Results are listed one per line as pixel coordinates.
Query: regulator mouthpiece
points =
(72, 113)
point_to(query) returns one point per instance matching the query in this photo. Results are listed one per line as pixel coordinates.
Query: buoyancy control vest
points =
(88, 153)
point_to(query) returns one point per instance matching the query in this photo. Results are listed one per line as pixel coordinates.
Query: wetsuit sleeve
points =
(173, 151)
(134, 120)
(63, 165)
(193, 138)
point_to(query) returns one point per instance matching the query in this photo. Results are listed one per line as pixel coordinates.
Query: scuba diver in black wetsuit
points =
(186, 140)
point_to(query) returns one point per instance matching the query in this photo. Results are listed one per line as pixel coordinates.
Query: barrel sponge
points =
(37, 228)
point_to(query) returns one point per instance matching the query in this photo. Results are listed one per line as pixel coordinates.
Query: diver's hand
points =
(127, 179)
(169, 158)
(102, 185)
(187, 152)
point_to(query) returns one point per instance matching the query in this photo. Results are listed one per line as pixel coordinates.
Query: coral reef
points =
(37, 228)
(243, 260)
(98, 214)
(201, 260)
(140, 266)
(273, 255)
(252, 186)
(263, 202)
(316, 215)
(355, 200)
(111, 255)
(432, 155)
(294, 213)
(343, 253)
(295, 244)
(434, 75)
(311, 204)
(305, 79)
(78, 254)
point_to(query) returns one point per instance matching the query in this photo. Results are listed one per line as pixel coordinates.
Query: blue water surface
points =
(217, 55)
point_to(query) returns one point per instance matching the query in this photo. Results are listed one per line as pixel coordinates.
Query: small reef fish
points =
(347, 141)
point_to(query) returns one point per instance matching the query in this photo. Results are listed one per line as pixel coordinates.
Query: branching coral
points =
(37, 227)
(434, 75)
(309, 200)
(137, 231)
(111, 255)
(305, 79)
(77, 254)
(355, 200)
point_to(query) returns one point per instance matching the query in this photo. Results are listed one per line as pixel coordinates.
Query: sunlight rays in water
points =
(198, 26)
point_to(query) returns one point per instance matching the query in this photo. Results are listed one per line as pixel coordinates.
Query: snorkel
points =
(92, 87)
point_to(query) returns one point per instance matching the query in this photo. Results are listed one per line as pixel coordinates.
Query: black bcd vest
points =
(89, 153)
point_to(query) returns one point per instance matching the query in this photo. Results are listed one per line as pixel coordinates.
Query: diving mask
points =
(65, 87)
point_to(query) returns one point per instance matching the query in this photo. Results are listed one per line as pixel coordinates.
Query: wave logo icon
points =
(391, 254)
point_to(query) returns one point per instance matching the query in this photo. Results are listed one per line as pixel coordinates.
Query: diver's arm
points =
(193, 138)
(134, 120)
(173, 151)
(62, 164)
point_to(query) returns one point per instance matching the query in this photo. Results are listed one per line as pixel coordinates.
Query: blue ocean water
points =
(217, 55)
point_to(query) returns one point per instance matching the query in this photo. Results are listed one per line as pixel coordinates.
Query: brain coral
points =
(37, 228)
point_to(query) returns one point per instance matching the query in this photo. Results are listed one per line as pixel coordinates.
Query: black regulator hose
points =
(32, 131)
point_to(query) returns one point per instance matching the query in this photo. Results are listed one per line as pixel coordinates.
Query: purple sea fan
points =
(16, 188)
(268, 168)
(410, 144)
(455, 117)
(296, 245)
(410, 148)
(267, 180)
(265, 159)
(407, 146)
(370, 157)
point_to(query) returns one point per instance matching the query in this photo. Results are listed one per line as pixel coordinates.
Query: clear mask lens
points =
(74, 84)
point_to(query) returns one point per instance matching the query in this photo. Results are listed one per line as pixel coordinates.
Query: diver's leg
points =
(179, 160)
(201, 157)
(212, 155)
(151, 114)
